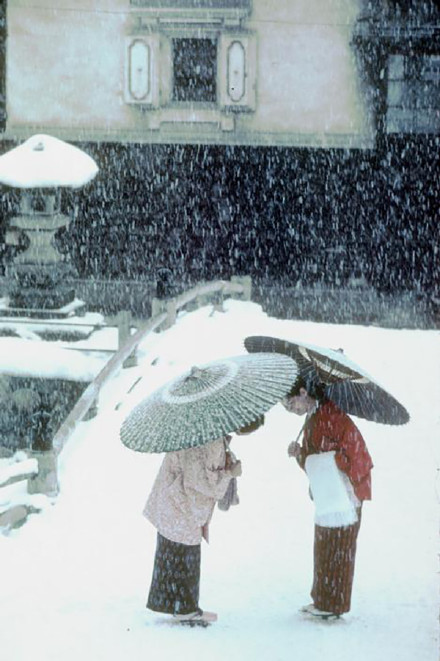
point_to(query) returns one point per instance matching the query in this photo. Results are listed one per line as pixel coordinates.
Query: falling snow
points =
(78, 573)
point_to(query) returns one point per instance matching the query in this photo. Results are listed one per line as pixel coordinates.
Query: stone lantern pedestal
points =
(39, 274)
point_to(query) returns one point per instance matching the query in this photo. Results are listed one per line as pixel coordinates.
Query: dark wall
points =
(3, 37)
(279, 213)
(33, 408)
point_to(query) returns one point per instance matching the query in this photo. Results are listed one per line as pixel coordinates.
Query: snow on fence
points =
(164, 314)
(12, 514)
(40, 472)
(200, 294)
(18, 471)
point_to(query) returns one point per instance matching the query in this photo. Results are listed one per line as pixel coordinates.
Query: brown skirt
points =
(334, 561)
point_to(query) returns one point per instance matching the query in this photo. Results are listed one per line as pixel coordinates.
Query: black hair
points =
(314, 388)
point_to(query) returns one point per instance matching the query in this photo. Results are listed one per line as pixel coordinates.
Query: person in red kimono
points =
(328, 429)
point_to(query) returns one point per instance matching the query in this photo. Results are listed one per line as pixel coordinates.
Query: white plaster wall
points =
(308, 81)
(64, 66)
(65, 72)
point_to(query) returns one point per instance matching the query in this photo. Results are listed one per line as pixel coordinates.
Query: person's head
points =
(304, 396)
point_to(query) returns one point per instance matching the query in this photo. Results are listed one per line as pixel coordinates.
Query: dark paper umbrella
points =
(208, 402)
(345, 383)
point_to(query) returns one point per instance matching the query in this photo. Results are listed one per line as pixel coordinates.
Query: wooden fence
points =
(21, 471)
(41, 474)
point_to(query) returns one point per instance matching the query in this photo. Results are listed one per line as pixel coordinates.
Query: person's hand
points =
(235, 469)
(294, 450)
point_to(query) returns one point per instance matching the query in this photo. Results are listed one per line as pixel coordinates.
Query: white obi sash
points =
(332, 492)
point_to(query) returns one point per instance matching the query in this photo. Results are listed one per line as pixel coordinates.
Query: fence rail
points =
(92, 391)
(164, 318)
(237, 285)
(13, 514)
(41, 473)
(17, 472)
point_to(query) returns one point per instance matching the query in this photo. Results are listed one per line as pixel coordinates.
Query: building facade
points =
(185, 71)
(295, 140)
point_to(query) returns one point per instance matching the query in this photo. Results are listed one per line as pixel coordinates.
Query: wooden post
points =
(124, 325)
(92, 391)
(218, 300)
(157, 306)
(167, 305)
(46, 480)
(171, 310)
(246, 282)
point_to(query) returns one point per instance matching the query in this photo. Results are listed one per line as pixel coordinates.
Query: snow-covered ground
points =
(74, 578)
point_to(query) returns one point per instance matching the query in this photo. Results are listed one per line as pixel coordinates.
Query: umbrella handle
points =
(295, 447)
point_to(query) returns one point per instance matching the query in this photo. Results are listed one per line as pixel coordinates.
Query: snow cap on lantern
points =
(46, 162)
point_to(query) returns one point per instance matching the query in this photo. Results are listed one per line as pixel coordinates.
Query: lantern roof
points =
(46, 162)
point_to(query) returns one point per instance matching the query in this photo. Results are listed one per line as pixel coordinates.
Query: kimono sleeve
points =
(205, 472)
(352, 456)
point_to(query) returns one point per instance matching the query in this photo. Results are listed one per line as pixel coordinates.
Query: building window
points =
(139, 66)
(413, 94)
(194, 70)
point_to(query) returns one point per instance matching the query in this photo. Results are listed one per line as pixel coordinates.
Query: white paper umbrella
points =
(208, 402)
(46, 162)
(344, 382)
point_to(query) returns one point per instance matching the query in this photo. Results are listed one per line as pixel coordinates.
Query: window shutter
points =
(237, 71)
(142, 70)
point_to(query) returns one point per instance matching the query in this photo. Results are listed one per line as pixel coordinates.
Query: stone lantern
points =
(40, 167)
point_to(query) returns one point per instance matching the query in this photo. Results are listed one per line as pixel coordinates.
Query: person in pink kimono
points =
(180, 507)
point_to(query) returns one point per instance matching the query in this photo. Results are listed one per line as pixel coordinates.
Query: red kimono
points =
(326, 430)
(329, 429)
